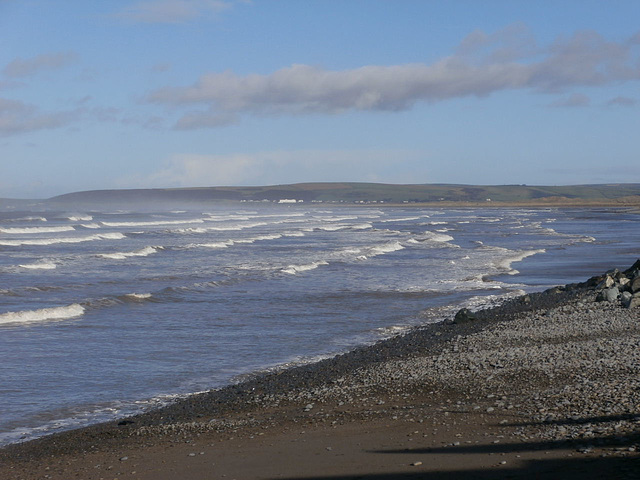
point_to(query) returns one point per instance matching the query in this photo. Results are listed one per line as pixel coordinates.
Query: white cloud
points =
(26, 67)
(189, 170)
(18, 117)
(172, 11)
(482, 65)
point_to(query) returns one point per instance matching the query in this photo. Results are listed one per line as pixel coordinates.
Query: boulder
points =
(635, 285)
(625, 299)
(464, 315)
(633, 302)
(634, 267)
(611, 294)
(608, 295)
(607, 282)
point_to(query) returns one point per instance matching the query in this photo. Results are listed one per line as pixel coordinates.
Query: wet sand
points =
(544, 386)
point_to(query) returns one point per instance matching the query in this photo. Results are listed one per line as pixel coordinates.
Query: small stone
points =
(124, 459)
(464, 315)
(416, 464)
(192, 454)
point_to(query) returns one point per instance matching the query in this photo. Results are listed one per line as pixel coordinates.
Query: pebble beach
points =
(542, 386)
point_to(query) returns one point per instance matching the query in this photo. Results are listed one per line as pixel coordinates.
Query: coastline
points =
(542, 382)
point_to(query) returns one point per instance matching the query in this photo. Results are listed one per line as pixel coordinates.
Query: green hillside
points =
(372, 193)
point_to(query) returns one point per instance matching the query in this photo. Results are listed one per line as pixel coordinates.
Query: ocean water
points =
(109, 313)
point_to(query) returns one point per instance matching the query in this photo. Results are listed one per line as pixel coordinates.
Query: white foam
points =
(226, 244)
(44, 265)
(30, 230)
(138, 296)
(404, 219)
(90, 225)
(52, 241)
(514, 257)
(295, 269)
(143, 252)
(29, 219)
(386, 248)
(335, 228)
(336, 218)
(154, 223)
(434, 237)
(80, 218)
(43, 314)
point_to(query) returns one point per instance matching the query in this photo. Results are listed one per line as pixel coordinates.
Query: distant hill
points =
(606, 194)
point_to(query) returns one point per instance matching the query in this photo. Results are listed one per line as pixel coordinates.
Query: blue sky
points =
(179, 93)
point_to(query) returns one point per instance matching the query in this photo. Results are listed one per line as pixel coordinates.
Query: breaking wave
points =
(30, 230)
(295, 269)
(154, 223)
(52, 241)
(39, 266)
(143, 252)
(42, 314)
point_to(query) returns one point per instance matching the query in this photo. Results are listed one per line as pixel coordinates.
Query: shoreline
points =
(363, 391)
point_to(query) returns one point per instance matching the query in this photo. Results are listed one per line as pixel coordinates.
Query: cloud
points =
(482, 65)
(622, 101)
(18, 117)
(20, 68)
(573, 100)
(172, 11)
(188, 170)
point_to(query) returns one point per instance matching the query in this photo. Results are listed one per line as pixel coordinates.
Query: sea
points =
(109, 312)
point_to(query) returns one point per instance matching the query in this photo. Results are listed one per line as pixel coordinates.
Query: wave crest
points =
(42, 314)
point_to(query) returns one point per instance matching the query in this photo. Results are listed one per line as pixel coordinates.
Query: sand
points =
(545, 386)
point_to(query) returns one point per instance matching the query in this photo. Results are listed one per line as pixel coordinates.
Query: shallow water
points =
(103, 314)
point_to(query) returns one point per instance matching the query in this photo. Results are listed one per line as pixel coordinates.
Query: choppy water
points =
(103, 314)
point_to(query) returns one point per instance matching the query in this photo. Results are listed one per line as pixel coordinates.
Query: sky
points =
(192, 93)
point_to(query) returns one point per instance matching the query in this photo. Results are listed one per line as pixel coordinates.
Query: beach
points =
(543, 386)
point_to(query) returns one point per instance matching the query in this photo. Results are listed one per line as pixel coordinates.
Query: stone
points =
(608, 282)
(635, 285)
(464, 315)
(625, 299)
(611, 294)
(635, 266)
(634, 302)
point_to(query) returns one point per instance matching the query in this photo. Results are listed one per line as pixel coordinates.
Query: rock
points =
(464, 315)
(635, 285)
(608, 282)
(633, 302)
(634, 267)
(608, 294)
(625, 299)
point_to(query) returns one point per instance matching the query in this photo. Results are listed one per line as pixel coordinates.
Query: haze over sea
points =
(108, 313)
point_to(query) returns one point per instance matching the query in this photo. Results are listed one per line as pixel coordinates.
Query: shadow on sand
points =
(623, 465)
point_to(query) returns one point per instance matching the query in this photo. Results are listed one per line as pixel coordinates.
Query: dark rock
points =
(635, 285)
(635, 266)
(464, 315)
(634, 302)
(615, 273)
